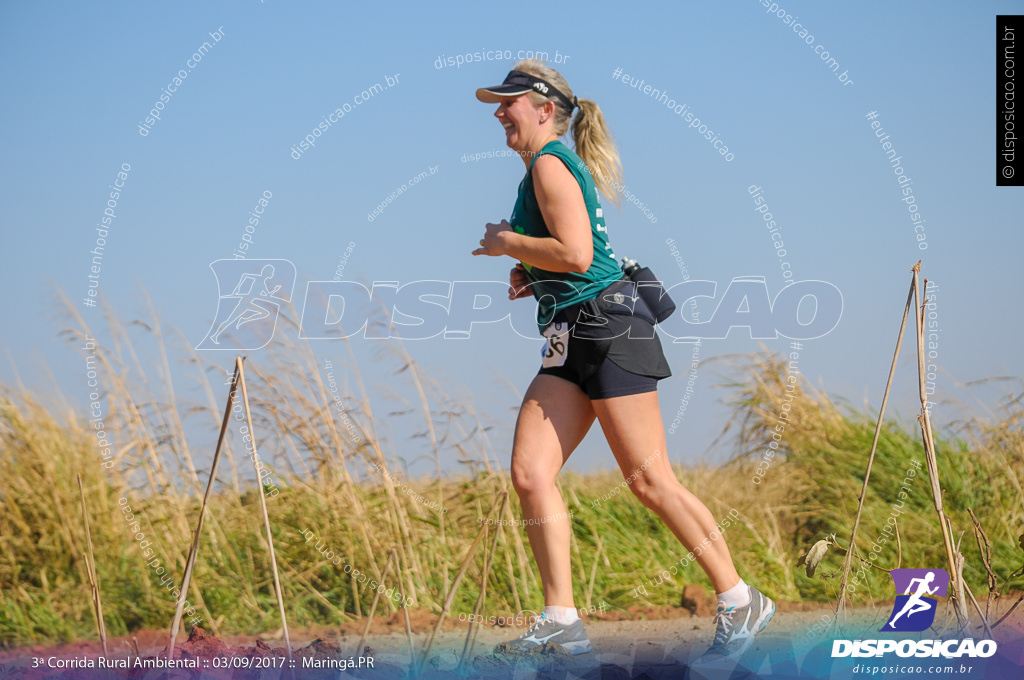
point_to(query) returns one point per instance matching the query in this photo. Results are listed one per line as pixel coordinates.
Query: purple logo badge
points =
(917, 593)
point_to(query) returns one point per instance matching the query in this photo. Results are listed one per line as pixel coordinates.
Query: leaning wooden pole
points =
(848, 561)
(190, 563)
(263, 507)
(955, 575)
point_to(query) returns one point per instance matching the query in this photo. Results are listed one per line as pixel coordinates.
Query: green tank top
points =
(550, 288)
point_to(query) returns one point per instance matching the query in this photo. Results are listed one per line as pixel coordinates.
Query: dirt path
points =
(639, 648)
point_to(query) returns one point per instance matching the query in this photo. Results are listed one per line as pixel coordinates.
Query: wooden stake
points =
(848, 561)
(956, 579)
(190, 563)
(263, 507)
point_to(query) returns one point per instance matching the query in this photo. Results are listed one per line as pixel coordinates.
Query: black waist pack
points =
(619, 326)
(650, 289)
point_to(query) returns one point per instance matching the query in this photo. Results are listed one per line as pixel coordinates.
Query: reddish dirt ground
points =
(621, 639)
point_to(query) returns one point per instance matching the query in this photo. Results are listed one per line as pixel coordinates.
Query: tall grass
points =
(808, 492)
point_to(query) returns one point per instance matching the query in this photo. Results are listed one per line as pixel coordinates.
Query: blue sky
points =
(80, 79)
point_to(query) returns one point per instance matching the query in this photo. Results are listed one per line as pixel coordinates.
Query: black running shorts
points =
(613, 349)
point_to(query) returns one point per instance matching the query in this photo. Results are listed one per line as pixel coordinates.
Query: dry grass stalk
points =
(455, 586)
(899, 544)
(373, 605)
(405, 611)
(178, 428)
(1010, 611)
(984, 619)
(349, 486)
(313, 591)
(441, 520)
(964, 586)
(474, 626)
(90, 567)
(986, 558)
(588, 601)
(833, 541)
(511, 573)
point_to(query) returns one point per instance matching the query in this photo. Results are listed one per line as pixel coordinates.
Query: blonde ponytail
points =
(594, 144)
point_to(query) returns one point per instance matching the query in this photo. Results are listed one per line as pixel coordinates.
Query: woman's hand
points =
(493, 242)
(520, 285)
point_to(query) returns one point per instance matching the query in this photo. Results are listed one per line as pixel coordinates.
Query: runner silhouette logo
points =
(250, 295)
(917, 593)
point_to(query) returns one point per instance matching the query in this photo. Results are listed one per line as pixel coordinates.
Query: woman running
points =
(602, 358)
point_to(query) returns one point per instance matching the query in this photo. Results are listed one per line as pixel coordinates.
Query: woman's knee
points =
(530, 478)
(650, 493)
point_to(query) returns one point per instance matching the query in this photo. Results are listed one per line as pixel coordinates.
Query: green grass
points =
(809, 492)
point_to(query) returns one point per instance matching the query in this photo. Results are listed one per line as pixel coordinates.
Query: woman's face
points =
(520, 118)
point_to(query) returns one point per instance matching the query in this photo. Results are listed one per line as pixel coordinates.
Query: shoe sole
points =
(574, 648)
(577, 647)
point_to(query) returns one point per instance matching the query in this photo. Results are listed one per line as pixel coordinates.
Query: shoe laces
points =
(724, 624)
(536, 625)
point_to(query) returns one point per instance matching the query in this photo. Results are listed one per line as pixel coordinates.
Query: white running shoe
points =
(737, 626)
(572, 637)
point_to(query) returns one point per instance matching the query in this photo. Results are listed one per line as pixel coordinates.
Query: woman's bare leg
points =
(633, 427)
(553, 419)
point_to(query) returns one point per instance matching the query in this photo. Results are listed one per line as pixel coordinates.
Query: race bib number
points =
(556, 345)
